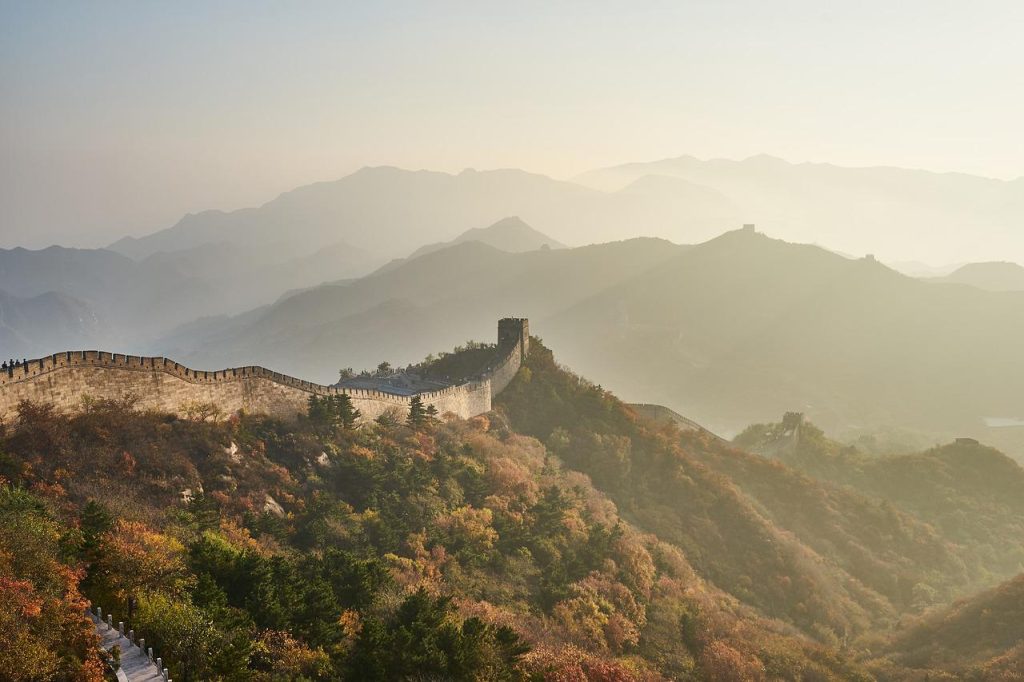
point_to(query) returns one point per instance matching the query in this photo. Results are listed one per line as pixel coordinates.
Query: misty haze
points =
(669, 341)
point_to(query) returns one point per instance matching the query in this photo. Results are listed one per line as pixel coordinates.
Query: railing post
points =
(120, 627)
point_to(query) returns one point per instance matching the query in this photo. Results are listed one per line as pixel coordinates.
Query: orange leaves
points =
(138, 557)
(362, 453)
(573, 664)
(20, 597)
(43, 630)
(719, 661)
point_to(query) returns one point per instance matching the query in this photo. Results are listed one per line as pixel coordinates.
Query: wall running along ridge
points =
(66, 379)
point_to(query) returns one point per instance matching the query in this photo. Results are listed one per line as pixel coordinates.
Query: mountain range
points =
(900, 214)
(897, 213)
(727, 332)
(388, 264)
(384, 210)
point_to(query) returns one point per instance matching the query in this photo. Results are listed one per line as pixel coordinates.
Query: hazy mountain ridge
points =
(384, 209)
(49, 320)
(743, 327)
(899, 211)
(139, 300)
(992, 276)
(434, 301)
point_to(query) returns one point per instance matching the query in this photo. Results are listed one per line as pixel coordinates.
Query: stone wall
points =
(65, 379)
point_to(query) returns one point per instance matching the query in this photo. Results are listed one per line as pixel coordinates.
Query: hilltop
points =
(997, 276)
(508, 234)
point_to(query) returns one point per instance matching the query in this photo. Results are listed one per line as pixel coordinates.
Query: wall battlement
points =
(64, 379)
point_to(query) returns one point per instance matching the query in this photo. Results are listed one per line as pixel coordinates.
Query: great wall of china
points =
(65, 379)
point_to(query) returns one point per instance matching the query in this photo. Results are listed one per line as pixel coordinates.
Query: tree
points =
(417, 412)
(179, 629)
(95, 522)
(424, 639)
(333, 411)
(200, 411)
(347, 413)
(319, 411)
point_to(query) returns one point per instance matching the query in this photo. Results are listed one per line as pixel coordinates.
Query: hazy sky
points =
(118, 117)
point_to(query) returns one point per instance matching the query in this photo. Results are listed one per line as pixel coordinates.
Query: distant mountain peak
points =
(508, 223)
(766, 160)
(990, 275)
(511, 234)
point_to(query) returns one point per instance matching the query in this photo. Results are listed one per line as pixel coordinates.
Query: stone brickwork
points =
(66, 379)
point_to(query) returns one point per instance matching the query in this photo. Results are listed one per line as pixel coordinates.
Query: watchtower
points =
(513, 330)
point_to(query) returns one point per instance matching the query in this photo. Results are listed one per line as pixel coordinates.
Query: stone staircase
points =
(137, 663)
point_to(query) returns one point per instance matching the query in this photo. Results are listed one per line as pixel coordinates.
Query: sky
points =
(118, 117)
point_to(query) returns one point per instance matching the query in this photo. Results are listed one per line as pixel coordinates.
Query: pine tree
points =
(347, 413)
(417, 412)
(319, 410)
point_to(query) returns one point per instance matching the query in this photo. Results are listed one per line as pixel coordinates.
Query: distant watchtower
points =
(513, 330)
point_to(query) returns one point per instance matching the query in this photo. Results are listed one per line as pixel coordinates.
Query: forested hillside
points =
(967, 492)
(261, 550)
(981, 638)
(561, 537)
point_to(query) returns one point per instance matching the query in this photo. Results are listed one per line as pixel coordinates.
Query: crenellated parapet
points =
(64, 379)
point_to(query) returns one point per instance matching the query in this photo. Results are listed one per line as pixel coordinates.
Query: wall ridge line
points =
(65, 378)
